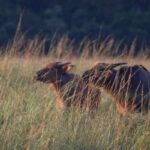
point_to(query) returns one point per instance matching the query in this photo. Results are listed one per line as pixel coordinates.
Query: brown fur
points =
(70, 89)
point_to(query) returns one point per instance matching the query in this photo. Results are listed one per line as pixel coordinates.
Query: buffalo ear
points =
(66, 67)
(143, 67)
(112, 66)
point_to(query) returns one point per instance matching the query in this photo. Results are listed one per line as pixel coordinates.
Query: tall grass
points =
(29, 120)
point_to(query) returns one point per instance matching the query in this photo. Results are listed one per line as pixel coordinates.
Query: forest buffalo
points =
(70, 88)
(128, 85)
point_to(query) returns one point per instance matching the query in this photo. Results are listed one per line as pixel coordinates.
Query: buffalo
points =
(128, 85)
(70, 88)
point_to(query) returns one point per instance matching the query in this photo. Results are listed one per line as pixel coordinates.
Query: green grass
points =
(29, 120)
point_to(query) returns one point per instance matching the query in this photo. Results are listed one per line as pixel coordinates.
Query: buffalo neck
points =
(109, 84)
(64, 79)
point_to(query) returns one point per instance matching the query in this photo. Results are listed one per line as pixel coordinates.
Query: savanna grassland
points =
(29, 120)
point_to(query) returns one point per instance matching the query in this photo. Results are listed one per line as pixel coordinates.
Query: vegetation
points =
(123, 20)
(29, 120)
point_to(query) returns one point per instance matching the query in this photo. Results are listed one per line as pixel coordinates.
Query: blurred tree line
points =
(123, 19)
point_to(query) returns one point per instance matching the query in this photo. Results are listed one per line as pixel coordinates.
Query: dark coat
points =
(128, 85)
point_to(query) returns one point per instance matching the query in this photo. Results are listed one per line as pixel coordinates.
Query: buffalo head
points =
(100, 73)
(53, 72)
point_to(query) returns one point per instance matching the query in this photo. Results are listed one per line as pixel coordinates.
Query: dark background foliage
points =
(122, 19)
